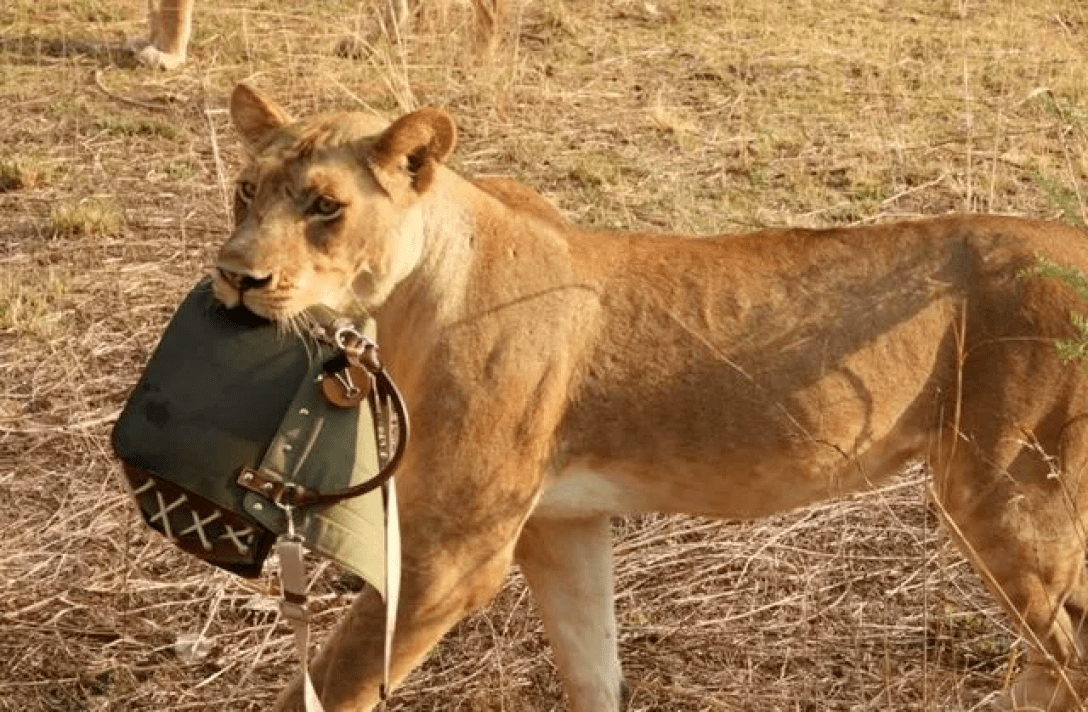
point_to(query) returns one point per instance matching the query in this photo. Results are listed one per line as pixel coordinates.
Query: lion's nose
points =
(244, 281)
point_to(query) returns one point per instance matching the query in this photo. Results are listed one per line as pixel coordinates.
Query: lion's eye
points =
(246, 191)
(325, 208)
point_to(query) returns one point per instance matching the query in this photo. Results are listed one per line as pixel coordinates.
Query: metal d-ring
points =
(342, 334)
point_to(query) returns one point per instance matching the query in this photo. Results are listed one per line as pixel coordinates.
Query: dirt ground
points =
(692, 115)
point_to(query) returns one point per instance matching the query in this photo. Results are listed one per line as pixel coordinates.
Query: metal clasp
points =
(289, 515)
(269, 486)
(348, 338)
(356, 345)
(351, 390)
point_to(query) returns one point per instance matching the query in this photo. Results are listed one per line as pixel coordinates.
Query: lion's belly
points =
(728, 489)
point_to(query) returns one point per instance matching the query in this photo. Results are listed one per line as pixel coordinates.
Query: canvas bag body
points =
(222, 393)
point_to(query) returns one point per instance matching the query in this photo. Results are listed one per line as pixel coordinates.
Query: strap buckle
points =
(283, 494)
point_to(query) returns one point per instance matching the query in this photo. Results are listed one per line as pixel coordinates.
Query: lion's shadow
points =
(36, 50)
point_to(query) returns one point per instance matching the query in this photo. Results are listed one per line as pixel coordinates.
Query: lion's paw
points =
(154, 57)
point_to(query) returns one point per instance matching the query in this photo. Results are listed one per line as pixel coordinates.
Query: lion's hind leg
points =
(568, 564)
(1018, 511)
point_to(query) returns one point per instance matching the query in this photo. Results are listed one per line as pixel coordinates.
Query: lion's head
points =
(328, 209)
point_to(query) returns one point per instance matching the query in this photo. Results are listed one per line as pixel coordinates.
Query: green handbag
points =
(239, 433)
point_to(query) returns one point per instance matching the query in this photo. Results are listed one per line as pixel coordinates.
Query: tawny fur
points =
(556, 376)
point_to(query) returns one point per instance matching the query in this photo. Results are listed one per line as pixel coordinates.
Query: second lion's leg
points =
(170, 26)
(154, 23)
(568, 564)
(154, 29)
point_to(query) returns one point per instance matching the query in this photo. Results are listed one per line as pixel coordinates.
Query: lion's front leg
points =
(568, 564)
(442, 581)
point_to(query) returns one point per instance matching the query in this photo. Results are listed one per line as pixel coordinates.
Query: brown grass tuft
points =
(23, 174)
(87, 218)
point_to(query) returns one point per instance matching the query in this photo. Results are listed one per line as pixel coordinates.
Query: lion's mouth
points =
(280, 301)
(242, 303)
(224, 292)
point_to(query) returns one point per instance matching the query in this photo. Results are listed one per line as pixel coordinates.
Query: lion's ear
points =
(407, 154)
(255, 114)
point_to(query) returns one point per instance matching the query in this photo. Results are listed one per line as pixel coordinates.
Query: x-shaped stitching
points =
(235, 537)
(198, 527)
(164, 511)
(144, 487)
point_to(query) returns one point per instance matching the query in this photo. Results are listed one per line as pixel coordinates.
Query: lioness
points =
(558, 376)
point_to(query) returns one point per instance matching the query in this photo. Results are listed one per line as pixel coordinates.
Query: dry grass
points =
(702, 115)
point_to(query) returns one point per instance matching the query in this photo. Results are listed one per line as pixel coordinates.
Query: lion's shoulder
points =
(522, 198)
